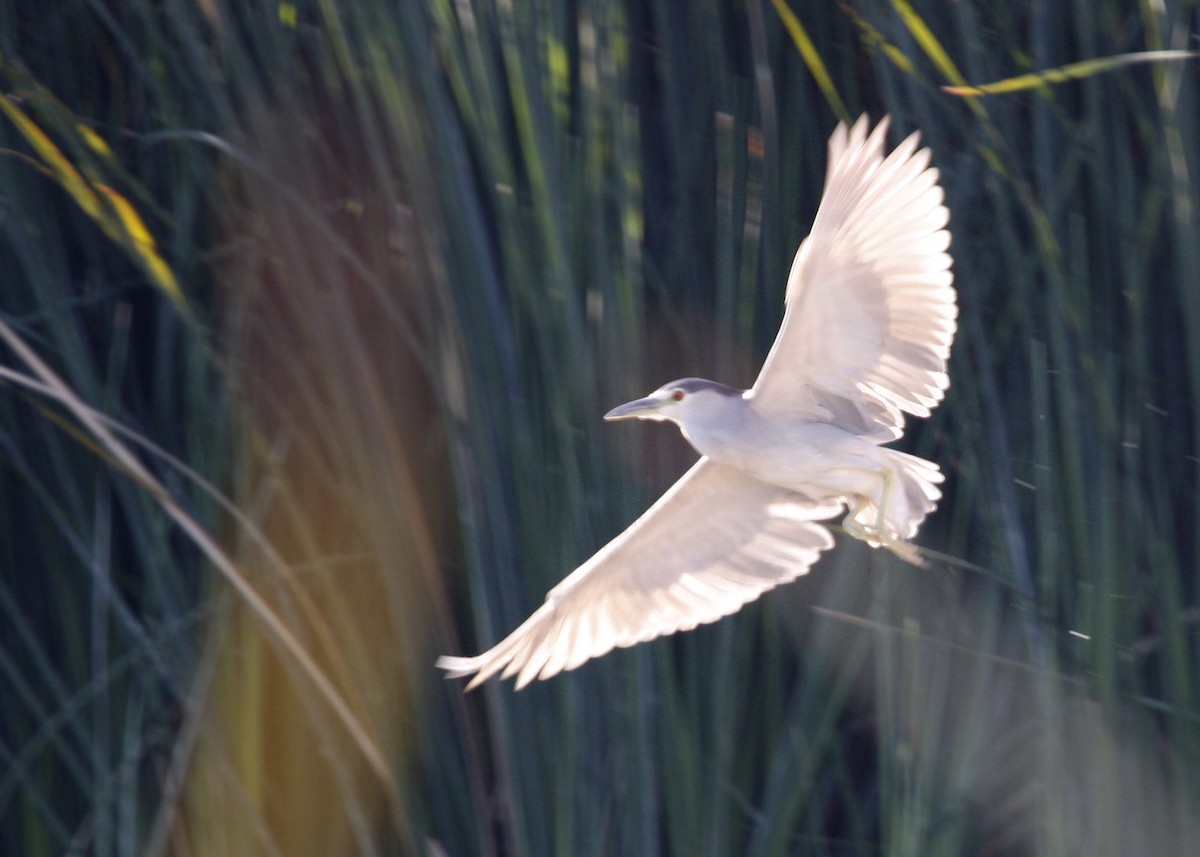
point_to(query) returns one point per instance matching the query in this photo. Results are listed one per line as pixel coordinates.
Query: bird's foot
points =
(883, 537)
(907, 551)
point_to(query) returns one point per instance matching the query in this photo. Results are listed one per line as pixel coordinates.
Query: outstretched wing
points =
(716, 540)
(870, 302)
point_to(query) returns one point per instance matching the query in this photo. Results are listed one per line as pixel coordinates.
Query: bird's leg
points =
(907, 551)
(888, 537)
(886, 534)
(856, 528)
(880, 534)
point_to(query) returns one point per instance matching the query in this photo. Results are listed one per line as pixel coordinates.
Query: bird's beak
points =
(641, 409)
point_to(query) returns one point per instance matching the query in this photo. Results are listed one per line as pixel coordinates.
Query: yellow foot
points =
(907, 551)
(882, 537)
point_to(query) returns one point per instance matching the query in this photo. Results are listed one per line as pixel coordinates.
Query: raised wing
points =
(870, 302)
(716, 540)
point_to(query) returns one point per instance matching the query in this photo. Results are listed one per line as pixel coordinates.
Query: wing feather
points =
(871, 311)
(715, 541)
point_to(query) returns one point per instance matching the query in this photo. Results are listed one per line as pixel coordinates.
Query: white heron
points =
(869, 319)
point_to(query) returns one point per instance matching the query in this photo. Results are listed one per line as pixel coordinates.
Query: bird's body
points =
(816, 458)
(865, 338)
(798, 454)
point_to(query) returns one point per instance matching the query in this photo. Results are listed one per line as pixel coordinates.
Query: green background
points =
(421, 246)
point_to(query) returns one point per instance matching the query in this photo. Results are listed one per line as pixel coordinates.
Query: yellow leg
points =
(881, 535)
(889, 537)
(853, 527)
(881, 526)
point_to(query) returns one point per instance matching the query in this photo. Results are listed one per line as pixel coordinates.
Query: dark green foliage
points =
(538, 210)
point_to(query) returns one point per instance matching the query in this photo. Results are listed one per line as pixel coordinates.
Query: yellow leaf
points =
(812, 59)
(1065, 73)
(874, 38)
(127, 227)
(928, 42)
(98, 144)
(61, 168)
(133, 229)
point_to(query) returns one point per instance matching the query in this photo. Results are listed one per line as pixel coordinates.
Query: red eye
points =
(677, 396)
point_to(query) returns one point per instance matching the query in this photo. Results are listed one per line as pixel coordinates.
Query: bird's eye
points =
(677, 396)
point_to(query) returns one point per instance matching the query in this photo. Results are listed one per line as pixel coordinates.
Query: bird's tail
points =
(908, 494)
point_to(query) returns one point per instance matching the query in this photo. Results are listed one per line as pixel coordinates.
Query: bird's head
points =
(689, 401)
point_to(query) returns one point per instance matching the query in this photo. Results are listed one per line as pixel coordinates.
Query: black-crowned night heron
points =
(870, 315)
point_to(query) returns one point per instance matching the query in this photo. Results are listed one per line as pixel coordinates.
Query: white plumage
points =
(869, 319)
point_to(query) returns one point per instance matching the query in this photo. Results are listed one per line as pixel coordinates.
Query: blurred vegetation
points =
(330, 297)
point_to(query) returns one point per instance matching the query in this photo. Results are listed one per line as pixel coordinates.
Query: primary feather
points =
(870, 303)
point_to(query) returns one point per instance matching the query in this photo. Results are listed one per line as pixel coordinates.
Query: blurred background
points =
(310, 313)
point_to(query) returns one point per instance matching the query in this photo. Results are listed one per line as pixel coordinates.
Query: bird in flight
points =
(869, 319)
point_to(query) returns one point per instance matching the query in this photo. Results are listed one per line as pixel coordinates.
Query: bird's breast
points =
(819, 460)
